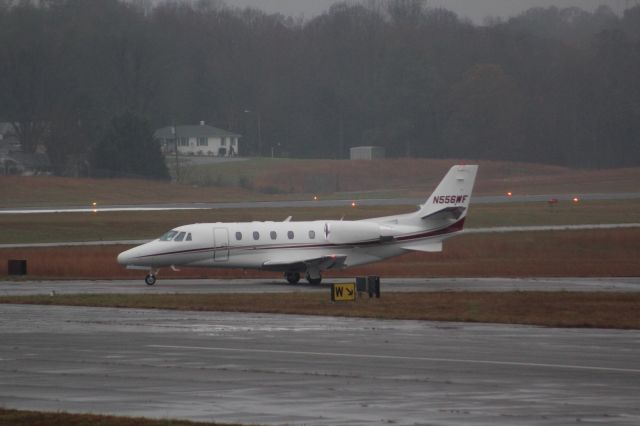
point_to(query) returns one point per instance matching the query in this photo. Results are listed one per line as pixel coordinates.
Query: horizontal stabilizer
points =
(453, 213)
(429, 247)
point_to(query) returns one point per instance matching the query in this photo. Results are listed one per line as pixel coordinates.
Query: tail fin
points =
(451, 198)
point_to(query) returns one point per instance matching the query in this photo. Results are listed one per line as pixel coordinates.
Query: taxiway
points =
(290, 369)
(477, 199)
(174, 286)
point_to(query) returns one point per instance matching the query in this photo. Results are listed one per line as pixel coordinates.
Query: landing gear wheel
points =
(150, 279)
(292, 277)
(314, 280)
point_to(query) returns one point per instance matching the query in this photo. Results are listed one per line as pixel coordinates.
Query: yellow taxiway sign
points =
(343, 292)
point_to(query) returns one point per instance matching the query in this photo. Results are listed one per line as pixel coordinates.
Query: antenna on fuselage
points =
(288, 219)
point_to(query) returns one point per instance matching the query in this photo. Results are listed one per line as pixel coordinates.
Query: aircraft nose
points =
(124, 258)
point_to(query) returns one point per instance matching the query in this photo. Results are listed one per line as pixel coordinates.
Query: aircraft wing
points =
(302, 264)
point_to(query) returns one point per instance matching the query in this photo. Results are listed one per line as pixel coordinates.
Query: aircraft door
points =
(220, 244)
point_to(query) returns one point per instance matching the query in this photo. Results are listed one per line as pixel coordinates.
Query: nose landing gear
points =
(150, 279)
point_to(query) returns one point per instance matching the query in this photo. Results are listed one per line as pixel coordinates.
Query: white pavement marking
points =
(498, 229)
(404, 358)
(97, 209)
(75, 244)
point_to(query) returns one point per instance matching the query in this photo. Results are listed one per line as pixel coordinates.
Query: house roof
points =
(192, 130)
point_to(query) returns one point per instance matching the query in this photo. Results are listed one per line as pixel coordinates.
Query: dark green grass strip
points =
(553, 309)
(36, 418)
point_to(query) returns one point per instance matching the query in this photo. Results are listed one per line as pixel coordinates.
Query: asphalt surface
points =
(173, 286)
(301, 370)
(481, 199)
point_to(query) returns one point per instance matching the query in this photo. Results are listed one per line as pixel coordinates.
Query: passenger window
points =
(273, 235)
(188, 237)
(238, 236)
(256, 235)
(290, 235)
(180, 236)
(312, 235)
(168, 236)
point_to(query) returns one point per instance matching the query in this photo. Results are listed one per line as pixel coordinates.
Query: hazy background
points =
(476, 10)
(88, 81)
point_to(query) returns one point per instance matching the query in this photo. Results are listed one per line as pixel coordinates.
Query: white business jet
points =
(312, 247)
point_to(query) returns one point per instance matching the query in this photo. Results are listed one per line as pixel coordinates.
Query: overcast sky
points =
(476, 10)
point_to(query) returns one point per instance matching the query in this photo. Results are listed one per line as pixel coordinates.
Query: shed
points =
(367, 152)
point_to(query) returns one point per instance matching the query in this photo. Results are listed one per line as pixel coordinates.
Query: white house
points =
(199, 139)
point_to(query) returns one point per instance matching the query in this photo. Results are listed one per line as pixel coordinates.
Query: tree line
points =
(90, 78)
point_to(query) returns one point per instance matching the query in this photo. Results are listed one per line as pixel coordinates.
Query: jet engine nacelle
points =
(338, 232)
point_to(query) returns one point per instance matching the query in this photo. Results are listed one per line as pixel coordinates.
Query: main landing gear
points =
(314, 280)
(314, 276)
(294, 278)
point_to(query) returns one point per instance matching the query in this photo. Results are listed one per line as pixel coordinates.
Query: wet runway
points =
(289, 369)
(171, 286)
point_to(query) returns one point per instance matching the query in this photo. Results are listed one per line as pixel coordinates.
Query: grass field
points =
(108, 226)
(36, 418)
(414, 175)
(612, 252)
(575, 253)
(553, 309)
(265, 179)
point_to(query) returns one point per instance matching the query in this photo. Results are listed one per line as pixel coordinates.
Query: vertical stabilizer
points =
(452, 196)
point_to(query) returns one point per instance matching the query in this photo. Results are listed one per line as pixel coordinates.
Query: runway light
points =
(509, 194)
(94, 206)
(353, 204)
(315, 198)
(575, 200)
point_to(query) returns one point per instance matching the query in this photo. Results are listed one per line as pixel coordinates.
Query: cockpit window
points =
(180, 236)
(188, 237)
(169, 236)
